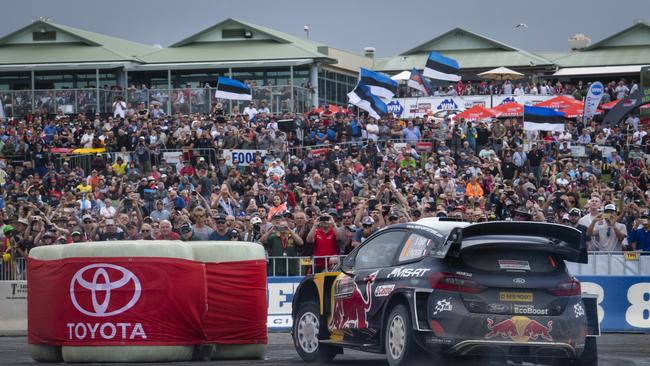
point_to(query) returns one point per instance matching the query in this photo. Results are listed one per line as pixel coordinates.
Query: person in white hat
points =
(608, 231)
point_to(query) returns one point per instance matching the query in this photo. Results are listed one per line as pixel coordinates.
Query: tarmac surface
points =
(613, 349)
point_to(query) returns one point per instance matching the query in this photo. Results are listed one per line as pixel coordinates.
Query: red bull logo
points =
(350, 311)
(519, 329)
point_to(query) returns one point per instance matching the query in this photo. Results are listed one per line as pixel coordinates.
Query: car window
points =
(414, 247)
(379, 251)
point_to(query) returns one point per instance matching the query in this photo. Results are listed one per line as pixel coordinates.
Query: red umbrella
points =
(475, 113)
(511, 109)
(576, 111)
(559, 102)
(333, 109)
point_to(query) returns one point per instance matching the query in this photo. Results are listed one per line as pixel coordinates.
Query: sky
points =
(389, 26)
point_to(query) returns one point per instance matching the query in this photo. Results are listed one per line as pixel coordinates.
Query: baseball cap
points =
(256, 220)
(610, 207)
(110, 222)
(367, 220)
(185, 228)
(87, 217)
(575, 211)
(76, 232)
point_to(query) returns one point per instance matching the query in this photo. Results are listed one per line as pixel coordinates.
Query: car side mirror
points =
(347, 266)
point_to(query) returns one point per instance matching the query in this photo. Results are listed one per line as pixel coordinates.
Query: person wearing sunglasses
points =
(221, 232)
(200, 230)
(609, 233)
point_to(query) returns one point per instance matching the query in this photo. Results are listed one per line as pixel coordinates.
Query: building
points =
(45, 67)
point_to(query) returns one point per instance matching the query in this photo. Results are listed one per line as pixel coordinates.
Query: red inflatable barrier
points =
(132, 301)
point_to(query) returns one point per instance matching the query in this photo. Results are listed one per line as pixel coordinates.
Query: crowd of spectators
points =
(319, 184)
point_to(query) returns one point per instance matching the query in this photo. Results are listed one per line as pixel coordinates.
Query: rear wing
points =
(562, 240)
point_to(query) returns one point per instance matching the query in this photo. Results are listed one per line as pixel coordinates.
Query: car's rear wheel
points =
(401, 348)
(306, 328)
(589, 356)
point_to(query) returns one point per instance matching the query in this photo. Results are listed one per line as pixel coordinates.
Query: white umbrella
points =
(501, 73)
(404, 75)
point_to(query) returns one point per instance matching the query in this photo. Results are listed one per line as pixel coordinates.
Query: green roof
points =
(471, 50)
(71, 45)
(263, 44)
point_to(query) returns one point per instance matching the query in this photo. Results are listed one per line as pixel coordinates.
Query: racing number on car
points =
(639, 297)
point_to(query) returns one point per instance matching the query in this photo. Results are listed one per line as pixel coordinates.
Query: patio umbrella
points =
(511, 109)
(404, 75)
(477, 112)
(501, 73)
(560, 102)
(576, 111)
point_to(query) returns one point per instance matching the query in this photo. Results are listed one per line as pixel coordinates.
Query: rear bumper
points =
(505, 348)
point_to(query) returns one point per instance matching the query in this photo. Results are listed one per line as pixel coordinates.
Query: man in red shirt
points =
(325, 239)
(187, 169)
(165, 231)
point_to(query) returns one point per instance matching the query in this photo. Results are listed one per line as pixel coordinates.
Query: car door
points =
(353, 292)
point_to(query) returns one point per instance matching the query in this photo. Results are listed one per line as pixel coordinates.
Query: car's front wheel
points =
(401, 348)
(306, 328)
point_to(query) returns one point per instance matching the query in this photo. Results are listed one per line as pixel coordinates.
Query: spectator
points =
(325, 239)
(608, 232)
(281, 241)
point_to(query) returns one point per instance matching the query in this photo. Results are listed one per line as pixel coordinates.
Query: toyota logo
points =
(101, 283)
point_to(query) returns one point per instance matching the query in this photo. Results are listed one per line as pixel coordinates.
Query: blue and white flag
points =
(379, 84)
(232, 89)
(417, 81)
(364, 99)
(543, 119)
(441, 68)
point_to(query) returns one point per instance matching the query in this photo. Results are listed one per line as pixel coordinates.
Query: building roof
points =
(631, 46)
(70, 45)
(211, 44)
(471, 50)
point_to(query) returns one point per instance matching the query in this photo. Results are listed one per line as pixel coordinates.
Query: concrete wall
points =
(13, 308)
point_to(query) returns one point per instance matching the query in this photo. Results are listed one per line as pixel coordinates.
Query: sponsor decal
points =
(436, 340)
(528, 310)
(514, 264)
(447, 104)
(508, 100)
(90, 293)
(578, 310)
(351, 311)
(420, 108)
(395, 107)
(101, 283)
(407, 272)
(498, 308)
(475, 103)
(442, 306)
(519, 329)
(516, 296)
(462, 273)
(384, 290)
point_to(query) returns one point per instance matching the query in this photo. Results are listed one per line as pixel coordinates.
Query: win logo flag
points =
(364, 99)
(543, 119)
(232, 89)
(379, 84)
(441, 68)
(417, 81)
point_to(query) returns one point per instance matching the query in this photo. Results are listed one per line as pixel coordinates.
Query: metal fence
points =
(279, 100)
(600, 264)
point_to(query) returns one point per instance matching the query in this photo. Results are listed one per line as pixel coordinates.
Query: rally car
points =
(452, 289)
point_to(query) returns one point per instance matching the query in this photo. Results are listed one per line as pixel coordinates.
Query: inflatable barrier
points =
(143, 301)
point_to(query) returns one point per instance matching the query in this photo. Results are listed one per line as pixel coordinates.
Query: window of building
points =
(44, 36)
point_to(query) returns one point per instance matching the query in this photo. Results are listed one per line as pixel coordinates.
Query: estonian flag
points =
(441, 68)
(380, 84)
(543, 119)
(364, 99)
(417, 81)
(232, 89)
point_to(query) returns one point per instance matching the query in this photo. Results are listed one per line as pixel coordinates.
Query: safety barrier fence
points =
(278, 99)
(623, 295)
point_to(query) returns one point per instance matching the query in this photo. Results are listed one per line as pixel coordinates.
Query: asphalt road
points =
(613, 349)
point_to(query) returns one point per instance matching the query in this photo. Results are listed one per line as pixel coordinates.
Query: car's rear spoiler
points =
(562, 240)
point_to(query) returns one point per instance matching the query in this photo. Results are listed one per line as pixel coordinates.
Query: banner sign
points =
(623, 301)
(242, 157)
(145, 301)
(419, 107)
(594, 95)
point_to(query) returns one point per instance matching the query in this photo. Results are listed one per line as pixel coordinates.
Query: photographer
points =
(325, 238)
(607, 230)
(281, 241)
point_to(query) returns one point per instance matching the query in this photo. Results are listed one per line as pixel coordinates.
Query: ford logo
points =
(497, 308)
(519, 280)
